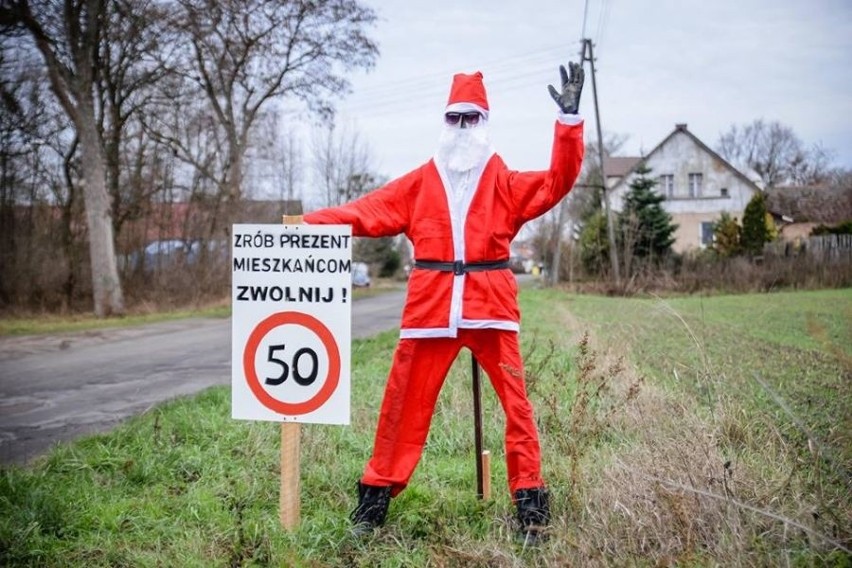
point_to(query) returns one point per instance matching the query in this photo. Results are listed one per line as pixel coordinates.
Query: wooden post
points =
(289, 502)
(486, 475)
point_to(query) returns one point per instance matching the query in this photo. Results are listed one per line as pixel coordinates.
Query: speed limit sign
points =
(291, 323)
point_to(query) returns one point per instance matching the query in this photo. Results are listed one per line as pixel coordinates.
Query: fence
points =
(821, 248)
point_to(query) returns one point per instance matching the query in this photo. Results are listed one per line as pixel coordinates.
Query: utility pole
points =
(553, 277)
(557, 255)
(588, 55)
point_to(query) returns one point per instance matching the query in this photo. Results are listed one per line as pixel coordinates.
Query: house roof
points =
(620, 166)
(811, 204)
(681, 128)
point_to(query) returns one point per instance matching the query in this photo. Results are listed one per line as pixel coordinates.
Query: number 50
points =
(300, 379)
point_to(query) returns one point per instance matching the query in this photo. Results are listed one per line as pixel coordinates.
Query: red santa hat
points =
(467, 94)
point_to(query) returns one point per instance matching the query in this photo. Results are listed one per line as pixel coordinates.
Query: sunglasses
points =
(469, 118)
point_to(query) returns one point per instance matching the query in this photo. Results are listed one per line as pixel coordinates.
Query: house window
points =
(707, 228)
(667, 185)
(695, 183)
(724, 192)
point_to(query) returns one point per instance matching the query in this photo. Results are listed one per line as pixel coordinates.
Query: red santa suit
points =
(461, 226)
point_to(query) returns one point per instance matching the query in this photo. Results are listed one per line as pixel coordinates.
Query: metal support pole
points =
(477, 425)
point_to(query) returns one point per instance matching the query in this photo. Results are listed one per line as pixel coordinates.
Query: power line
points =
(500, 81)
(409, 91)
(603, 21)
(500, 73)
(495, 64)
(604, 11)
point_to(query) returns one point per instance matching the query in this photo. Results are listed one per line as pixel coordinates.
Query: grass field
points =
(51, 324)
(699, 431)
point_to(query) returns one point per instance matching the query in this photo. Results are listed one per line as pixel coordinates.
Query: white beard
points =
(462, 149)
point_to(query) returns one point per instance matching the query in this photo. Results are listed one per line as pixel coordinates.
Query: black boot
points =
(533, 514)
(372, 508)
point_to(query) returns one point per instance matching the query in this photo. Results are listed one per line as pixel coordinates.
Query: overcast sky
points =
(708, 63)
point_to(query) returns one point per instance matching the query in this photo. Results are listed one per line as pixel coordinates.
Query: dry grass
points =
(684, 483)
(704, 273)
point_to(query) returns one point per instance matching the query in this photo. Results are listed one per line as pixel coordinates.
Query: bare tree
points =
(289, 172)
(39, 177)
(840, 177)
(342, 164)
(775, 153)
(245, 53)
(278, 160)
(67, 34)
(132, 54)
(813, 166)
(148, 85)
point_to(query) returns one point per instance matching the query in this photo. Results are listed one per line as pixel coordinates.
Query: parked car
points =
(516, 264)
(360, 274)
(162, 253)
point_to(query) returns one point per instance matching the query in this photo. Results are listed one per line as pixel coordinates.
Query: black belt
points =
(460, 267)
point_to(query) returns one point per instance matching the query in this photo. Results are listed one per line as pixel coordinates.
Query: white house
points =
(699, 185)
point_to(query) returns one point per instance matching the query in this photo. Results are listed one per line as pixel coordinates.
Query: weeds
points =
(717, 474)
(644, 468)
(592, 408)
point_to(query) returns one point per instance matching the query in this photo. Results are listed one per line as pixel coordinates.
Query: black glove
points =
(569, 100)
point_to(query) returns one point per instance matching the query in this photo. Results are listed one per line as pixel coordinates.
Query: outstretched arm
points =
(382, 212)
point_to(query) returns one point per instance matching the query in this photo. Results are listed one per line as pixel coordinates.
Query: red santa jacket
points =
(478, 229)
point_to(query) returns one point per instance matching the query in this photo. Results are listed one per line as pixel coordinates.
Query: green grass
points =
(799, 343)
(185, 485)
(49, 324)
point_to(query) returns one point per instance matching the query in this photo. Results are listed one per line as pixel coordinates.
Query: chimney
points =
(681, 126)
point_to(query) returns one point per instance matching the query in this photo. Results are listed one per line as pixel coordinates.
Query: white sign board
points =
(291, 323)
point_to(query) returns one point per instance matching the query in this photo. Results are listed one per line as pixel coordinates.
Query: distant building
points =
(522, 256)
(797, 210)
(616, 167)
(698, 184)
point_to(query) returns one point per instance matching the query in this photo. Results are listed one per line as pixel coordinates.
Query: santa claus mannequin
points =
(461, 211)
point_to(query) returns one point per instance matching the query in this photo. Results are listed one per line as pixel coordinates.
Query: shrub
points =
(727, 236)
(844, 228)
(755, 230)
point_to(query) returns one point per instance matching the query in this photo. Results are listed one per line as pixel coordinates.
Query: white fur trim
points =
(431, 332)
(425, 332)
(489, 324)
(458, 217)
(569, 119)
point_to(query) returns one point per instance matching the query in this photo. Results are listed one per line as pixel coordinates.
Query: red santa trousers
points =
(416, 377)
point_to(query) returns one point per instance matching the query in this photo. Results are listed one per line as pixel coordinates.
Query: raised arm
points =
(534, 193)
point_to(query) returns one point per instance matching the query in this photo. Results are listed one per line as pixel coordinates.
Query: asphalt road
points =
(57, 388)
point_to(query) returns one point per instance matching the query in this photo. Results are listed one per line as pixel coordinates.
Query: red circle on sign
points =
(331, 381)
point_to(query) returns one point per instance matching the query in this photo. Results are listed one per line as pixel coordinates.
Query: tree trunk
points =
(235, 171)
(108, 297)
